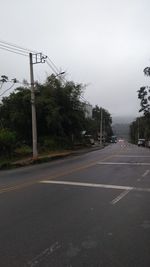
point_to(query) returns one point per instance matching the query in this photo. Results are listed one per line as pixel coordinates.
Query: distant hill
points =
(123, 119)
(121, 130)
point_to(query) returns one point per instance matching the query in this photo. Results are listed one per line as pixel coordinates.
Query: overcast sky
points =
(102, 43)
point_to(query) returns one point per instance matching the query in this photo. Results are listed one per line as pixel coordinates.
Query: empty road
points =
(90, 210)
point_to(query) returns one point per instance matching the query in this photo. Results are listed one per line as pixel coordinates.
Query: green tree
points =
(7, 142)
(144, 95)
(60, 113)
(15, 114)
(93, 125)
(140, 128)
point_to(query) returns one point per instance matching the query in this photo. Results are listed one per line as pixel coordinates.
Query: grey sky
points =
(102, 43)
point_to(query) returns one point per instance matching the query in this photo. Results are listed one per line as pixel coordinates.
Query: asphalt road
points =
(90, 210)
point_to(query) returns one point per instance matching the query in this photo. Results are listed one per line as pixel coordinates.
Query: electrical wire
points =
(56, 72)
(53, 64)
(83, 98)
(7, 90)
(13, 48)
(16, 49)
(52, 68)
(12, 51)
(17, 46)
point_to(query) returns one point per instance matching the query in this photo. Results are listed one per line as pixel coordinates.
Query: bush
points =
(54, 143)
(50, 144)
(23, 150)
(7, 142)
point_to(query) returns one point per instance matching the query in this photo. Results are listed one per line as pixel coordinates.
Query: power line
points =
(52, 68)
(10, 47)
(13, 48)
(12, 51)
(17, 46)
(16, 49)
(53, 64)
(7, 90)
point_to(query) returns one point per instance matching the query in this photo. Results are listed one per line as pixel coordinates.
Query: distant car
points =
(113, 139)
(121, 140)
(141, 142)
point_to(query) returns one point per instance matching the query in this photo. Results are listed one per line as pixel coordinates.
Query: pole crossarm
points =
(38, 58)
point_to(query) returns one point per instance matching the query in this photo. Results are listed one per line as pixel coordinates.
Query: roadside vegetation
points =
(62, 122)
(140, 128)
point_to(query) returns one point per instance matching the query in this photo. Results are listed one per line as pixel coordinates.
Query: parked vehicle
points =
(141, 142)
(113, 139)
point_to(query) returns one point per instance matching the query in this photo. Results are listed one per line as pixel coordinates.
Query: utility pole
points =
(38, 58)
(138, 128)
(101, 127)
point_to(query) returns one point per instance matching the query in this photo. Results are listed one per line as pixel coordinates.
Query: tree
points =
(93, 125)
(7, 142)
(140, 128)
(15, 114)
(60, 113)
(144, 94)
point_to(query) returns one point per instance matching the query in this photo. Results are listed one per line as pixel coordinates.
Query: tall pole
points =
(33, 109)
(138, 128)
(101, 127)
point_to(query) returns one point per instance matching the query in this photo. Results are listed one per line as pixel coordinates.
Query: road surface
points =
(90, 210)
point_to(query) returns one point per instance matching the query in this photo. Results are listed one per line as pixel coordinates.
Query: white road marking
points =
(87, 185)
(107, 186)
(45, 253)
(124, 163)
(131, 156)
(118, 198)
(144, 174)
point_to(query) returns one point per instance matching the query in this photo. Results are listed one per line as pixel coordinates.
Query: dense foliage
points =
(140, 128)
(60, 115)
(93, 125)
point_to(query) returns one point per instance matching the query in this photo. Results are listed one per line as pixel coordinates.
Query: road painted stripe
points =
(124, 163)
(121, 196)
(8, 188)
(107, 186)
(131, 156)
(118, 187)
(145, 173)
(44, 254)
